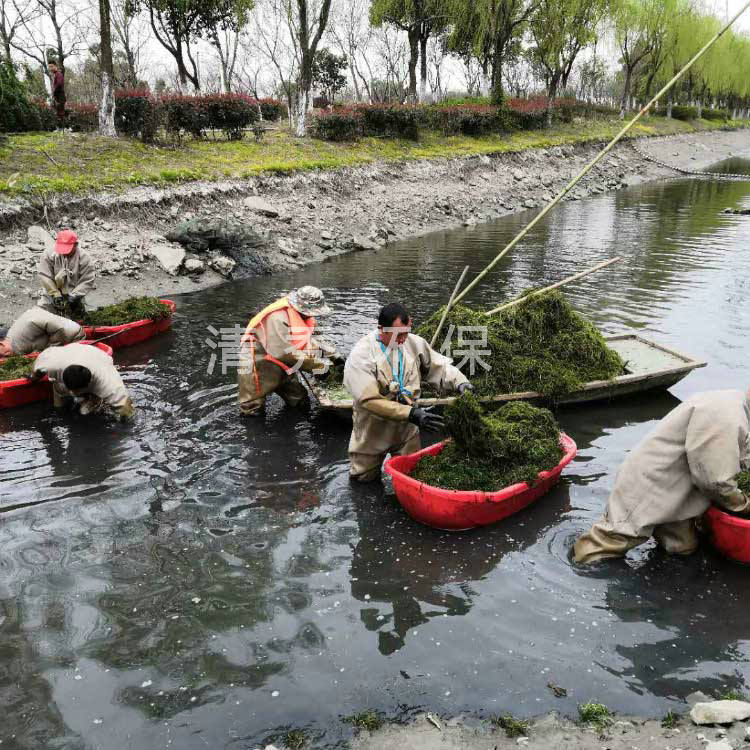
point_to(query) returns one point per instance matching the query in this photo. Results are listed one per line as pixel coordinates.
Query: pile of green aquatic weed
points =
(540, 345)
(489, 452)
(15, 367)
(135, 308)
(333, 382)
(743, 481)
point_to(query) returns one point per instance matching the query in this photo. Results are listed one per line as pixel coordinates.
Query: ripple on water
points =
(233, 565)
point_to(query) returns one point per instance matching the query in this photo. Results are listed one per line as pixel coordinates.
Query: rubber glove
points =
(425, 419)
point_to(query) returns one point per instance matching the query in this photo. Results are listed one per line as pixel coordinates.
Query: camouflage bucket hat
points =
(309, 300)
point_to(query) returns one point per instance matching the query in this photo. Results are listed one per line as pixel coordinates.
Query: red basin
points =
(458, 510)
(131, 333)
(22, 391)
(729, 534)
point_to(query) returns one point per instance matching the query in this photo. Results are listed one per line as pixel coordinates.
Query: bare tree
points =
(11, 20)
(472, 75)
(132, 36)
(271, 30)
(351, 30)
(436, 56)
(227, 43)
(67, 23)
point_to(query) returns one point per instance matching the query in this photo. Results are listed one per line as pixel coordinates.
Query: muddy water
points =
(195, 580)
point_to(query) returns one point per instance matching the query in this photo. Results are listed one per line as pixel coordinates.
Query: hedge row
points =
(140, 115)
(406, 121)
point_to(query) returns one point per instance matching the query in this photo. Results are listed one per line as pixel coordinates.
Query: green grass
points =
(38, 164)
(513, 727)
(670, 720)
(370, 720)
(596, 715)
(732, 695)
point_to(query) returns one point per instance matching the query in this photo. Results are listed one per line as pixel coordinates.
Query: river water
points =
(195, 580)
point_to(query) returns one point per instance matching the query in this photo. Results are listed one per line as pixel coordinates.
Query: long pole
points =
(599, 156)
(448, 307)
(570, 279)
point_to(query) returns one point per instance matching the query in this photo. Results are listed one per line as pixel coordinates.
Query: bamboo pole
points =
(600, 155)
(569, 280)
(448, 307)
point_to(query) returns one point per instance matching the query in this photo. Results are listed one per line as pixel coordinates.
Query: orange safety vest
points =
(300, 330)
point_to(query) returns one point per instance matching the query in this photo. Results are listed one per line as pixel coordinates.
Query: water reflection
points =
(211, 580)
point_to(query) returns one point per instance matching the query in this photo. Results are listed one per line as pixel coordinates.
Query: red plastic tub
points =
(132, 333)
(22, 391)
(729, 534)
(457, 510)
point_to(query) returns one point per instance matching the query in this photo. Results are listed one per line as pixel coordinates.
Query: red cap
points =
(66, 241)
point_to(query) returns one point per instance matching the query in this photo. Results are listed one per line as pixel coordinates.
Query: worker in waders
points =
(277, 343)
(384, 374)
(85, 377)
(687, 462)
(35, 330)
(66, 275)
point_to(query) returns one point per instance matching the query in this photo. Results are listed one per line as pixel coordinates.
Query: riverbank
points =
(552, 731)
(309, 216)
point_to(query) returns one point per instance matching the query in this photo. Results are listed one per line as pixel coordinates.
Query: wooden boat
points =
(129, 334)
(22, 391)
(649, 366)
(456, 510)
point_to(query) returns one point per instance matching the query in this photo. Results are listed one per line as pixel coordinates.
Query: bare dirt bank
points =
(304, 218)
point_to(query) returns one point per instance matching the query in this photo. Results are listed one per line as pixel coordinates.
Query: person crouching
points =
(85, 376)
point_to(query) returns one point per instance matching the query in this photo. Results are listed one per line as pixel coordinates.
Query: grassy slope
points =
(43, 163)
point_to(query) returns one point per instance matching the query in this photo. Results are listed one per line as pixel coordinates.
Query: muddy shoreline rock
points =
(279, 223)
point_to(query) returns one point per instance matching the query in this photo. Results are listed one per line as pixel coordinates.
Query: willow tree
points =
(639, 28)
(420, 19)
(685, 36)
(490, 31)
(560, 30)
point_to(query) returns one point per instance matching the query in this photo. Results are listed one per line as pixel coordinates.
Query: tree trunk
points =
(497, 94)
(485, 80)
(423, 68)
(551, 94)
(625, 92)
(669, 104)
(413, 59)
(107, 106)
(699, 107)
(302, 103)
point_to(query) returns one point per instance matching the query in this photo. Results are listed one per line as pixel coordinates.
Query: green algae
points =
(128, 311)
(540, 345)
(15, 367)
(513, 727)
(743, 481)
(489, 452)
